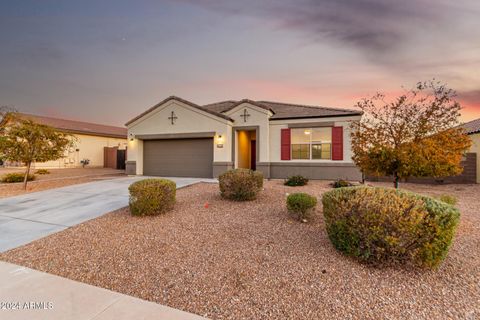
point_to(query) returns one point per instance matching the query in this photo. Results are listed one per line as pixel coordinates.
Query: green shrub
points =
(341, 183)
(380, 225)
(240, 184)
(42, 171)
(301, 204)
(295, 181)
(16, 177)
(451, 200)
(152, 196)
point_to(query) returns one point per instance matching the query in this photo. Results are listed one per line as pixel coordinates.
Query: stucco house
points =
(472, 128)
(180, 138)
(93, 141)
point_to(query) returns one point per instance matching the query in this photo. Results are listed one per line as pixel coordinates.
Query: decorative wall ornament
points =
(173, 117)
(245, 115)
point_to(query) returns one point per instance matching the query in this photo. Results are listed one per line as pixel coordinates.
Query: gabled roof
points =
(255, 103)
(472, 126)
(191, 104)
(286, 110)
(80, 127)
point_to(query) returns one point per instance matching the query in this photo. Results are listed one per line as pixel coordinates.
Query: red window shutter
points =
(337, 143)
(285, 144)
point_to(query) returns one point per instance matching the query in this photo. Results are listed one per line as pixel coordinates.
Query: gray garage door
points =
(178, 158)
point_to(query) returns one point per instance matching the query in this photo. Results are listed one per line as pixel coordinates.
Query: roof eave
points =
(313, 117)
(183, 101)
(254, 103)
(90, 133)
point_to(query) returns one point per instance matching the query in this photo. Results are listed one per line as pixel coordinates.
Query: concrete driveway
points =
(35, 215)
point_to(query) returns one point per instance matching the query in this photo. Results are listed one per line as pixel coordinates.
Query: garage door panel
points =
(178, 157)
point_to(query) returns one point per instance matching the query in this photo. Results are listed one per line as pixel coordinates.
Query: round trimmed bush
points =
(42, 171)
(152, 196)
(240, 184)
(16, 177)
(451, 200)
(382, 225)
(295, 181)
(340, 183)
(301, 204)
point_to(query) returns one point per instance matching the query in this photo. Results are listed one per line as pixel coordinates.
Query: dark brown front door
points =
(253, 154)
(178, 158)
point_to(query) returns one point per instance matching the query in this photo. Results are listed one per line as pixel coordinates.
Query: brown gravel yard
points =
(252, 261)
(56, 179)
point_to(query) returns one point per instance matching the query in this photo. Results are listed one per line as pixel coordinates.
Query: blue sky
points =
(106, 61)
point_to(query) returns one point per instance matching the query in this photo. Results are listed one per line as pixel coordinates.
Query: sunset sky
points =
(107, 61)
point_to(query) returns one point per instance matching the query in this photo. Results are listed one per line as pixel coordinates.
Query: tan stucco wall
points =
(275, 140)
(193, 120)
(189, 120)
(89, 147)
(476, 148)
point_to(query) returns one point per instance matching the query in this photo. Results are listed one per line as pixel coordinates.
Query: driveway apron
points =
(32, 216)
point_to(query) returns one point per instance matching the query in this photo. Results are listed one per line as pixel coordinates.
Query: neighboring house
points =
(179, 138)
(94, 142)
(472, 128)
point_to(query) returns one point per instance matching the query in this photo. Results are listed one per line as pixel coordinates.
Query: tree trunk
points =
(25, 179)
(396, 180)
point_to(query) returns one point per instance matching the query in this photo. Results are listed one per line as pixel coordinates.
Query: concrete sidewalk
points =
(31, 216)
(40, 295)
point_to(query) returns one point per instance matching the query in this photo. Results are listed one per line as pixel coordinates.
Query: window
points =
(300, 151)
(311, 143)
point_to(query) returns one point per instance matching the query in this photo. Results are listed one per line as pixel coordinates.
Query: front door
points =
(253, 154)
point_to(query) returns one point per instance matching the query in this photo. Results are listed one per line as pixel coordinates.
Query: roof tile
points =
(472, 126)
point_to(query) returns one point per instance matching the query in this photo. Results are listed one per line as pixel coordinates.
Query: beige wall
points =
(275, 140)
(89, 147)
(476, 148)
(189, 120)
(193, 120)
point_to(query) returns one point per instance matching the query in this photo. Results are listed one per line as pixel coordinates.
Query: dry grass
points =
(231, 260)
(56, 179)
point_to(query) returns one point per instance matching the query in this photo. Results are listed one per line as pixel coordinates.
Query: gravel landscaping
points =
(251, 260)
(56, 179)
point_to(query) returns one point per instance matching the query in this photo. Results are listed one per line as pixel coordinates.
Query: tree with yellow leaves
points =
(413, 135)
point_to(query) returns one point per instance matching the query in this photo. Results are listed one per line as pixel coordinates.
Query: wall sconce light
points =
(219, 141)
(132, 137)
(307, 132)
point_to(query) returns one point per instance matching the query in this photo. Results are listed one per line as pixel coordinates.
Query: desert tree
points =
(415, 134)
(24, 140)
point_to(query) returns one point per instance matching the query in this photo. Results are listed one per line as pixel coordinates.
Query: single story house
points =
(472, 128)
(94, 142)
(180, 138)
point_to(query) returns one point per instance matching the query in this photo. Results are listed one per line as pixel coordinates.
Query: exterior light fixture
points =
(132, 137)
(307, 132)
(219, 141)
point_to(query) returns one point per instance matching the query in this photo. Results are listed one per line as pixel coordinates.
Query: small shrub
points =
(42, 171)
(152, 196)
(451, 200)
(16, 177)
(295, 181)
(301, 204)
(379, 225)
(240, 184)
(341, 183)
